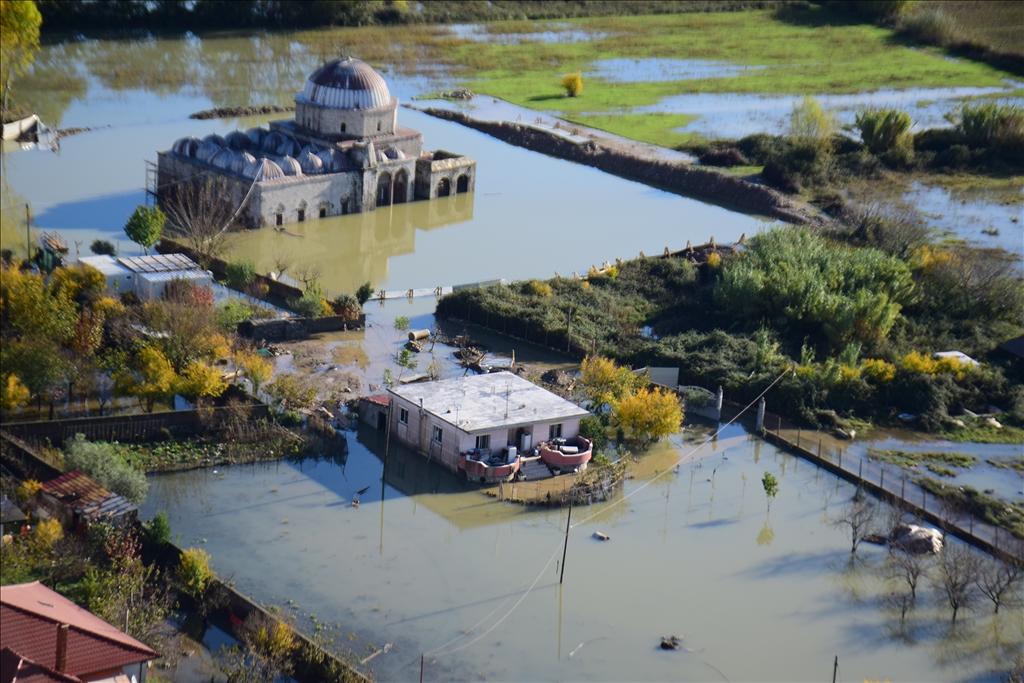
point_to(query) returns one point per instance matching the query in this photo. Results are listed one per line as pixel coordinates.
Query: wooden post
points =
(819, 448)
(421, 669)
(881, 482)
(860, 471)
(798, 432)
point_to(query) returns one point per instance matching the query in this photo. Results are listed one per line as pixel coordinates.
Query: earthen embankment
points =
(692, 180)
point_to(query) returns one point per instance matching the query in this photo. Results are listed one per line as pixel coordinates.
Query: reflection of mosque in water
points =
(350, 250)
(343, 153)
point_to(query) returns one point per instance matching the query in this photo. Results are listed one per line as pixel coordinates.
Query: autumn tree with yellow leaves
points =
(618, 394)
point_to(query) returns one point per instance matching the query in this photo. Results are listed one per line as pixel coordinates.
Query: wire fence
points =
(895, 486)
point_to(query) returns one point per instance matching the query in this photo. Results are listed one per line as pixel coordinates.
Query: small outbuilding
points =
(147, 276)
(79, 500)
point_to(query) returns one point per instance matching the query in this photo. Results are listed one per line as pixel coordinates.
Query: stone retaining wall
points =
(693, 180)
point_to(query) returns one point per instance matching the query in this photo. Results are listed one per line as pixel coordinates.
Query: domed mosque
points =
(344, 152)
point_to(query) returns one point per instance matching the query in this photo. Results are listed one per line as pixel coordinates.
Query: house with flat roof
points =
(46, 637)
(487, 426)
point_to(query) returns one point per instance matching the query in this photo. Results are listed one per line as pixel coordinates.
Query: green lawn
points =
(813, 50)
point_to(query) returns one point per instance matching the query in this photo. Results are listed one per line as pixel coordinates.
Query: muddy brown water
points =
(426, 562)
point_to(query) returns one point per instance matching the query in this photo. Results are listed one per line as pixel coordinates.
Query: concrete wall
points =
(308, 192)
(696, 180)
(352, 124)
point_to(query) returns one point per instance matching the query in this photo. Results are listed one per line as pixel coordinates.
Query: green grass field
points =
(656, 128)
(813, 50)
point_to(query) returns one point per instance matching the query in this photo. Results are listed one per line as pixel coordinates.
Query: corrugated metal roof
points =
(379, 399)
(107, 265)
(76, 487)
(159, 263)
(31, 613)
(84, 494)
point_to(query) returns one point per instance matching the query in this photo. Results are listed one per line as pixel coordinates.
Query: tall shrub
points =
(982, 124)
(102, 463)
(813, 127)
(573, 84)
(884, 129)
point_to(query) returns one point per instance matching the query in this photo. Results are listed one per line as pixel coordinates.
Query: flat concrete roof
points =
(107, 265)
(487, 403)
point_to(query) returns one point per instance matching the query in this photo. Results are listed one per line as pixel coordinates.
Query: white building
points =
(147, 276)
(449, 419)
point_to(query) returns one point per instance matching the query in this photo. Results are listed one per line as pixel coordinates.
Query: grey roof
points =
(486, 403)
(159, 263)
(107, 265)
(346, 84)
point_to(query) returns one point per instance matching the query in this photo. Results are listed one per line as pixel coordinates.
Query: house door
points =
(382, 420)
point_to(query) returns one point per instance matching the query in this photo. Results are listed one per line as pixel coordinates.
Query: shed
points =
(151, 286)
(80, 500)
(10, 514)
(119, 278)
(373, 410)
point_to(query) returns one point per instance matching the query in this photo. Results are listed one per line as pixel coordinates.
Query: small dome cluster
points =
(259, 155)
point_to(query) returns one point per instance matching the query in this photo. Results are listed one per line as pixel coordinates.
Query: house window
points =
(378, 126)
(343, 128)
(280, 218)
(302, 215)
(403, 416)
(437, 434)
(555, 431)
(323, 212)
(483, 441)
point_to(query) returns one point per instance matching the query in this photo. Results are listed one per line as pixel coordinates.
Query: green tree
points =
(100, 461)
(145, 225)
(241, 271)
(364, 293)
(19, 41)
(771, 488)
(103, 247)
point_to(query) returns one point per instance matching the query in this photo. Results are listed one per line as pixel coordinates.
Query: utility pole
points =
(565, 549)
(835, 668)
(28, 234)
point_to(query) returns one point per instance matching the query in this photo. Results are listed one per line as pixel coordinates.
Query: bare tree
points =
(282, 262)
(308, 273)
(200, 212)
(996, 580)
(958, 565)
(859, 515)
(909, 568)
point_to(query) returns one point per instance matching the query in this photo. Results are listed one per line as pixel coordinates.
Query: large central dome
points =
(347, 84)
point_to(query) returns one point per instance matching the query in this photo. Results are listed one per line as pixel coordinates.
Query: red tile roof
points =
(29, 616)
(16, 669)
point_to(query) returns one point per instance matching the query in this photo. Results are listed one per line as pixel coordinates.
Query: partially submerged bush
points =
(240, 271)
(982, 124)
(884, 129)
(194, 571)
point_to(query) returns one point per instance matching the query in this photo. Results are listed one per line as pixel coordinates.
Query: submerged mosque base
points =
(344, 152)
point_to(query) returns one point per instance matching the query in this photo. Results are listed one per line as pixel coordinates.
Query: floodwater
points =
(735, 115)
(546, 32)
(437, 568)
(530, 216)
(986, 217)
